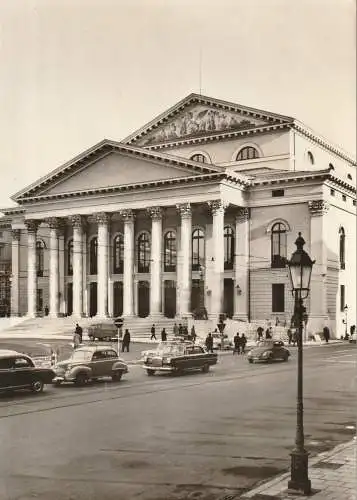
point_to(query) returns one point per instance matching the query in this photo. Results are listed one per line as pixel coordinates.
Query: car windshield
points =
(82, 355)
(170, 349)
(266, 343)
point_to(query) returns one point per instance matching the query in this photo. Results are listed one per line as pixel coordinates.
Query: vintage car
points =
(178, 357)
(18, 371)
(102, 331)
(89, 363)
(267, 351)
(221, 342)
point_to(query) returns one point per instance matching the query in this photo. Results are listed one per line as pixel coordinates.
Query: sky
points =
(75, 72)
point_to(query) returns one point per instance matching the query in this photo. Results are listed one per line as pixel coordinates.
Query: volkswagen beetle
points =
(268, 351)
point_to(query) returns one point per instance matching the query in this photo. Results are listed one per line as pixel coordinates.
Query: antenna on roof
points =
(200, 71)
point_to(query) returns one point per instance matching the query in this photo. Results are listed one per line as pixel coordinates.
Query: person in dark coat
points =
(243, 342)
(153, 336)
(237, 343)
(260, 333)
(209, 342)
(126, 340)
(326, 333)
(290, 336)
(46, 310)
(163, 335)
(79, 331)
(193, 333)
(180, 329)
(268, 334)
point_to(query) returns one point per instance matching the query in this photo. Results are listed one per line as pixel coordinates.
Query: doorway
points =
(195, 295)
(69, 299)
(93, 298)
(169, 298)
(143, 299)
(117, 298)
(228, 297)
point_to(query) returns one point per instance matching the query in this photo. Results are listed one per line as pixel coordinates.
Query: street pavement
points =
(215, 436)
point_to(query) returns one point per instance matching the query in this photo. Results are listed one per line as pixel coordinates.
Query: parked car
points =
(89, 363)
(18, 371)
(221, 342)
(267, 351)
(178, 357)
(103, 331)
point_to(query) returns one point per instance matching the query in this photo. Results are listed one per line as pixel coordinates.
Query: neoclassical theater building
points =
(204, 203)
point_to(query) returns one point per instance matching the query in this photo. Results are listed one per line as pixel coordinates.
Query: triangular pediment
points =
(113, 164)
(199, 116)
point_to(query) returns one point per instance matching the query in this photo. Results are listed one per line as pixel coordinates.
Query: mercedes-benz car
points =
(268, 351)
(89, 363)
(178, 357)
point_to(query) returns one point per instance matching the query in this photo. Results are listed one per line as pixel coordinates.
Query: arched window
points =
(198, 249)
(118, 254)
(144, 253)
(278, 245)
(70, 258)
(342, 247)
(93, 256)
(199, 157)
(310, 157)
(170, 254)
(228, 247)
(247, 153)
(40, 251)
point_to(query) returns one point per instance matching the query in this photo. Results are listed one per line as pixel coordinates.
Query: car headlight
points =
(265, 354)
(166, 361)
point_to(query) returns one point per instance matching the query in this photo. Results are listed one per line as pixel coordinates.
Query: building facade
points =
(203, 203)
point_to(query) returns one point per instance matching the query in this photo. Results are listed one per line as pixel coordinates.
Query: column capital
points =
(15, 234)
(54, 222)
(242, 214)
(101, 218)
(185, 210)
(318, 207)
(32, 225)
(77, 221)
(155, 212)
(217, 206)
(127, 215)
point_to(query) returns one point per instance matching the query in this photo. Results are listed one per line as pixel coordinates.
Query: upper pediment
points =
(199, 116)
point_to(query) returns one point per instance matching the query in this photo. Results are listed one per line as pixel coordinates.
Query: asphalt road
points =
(198, 436)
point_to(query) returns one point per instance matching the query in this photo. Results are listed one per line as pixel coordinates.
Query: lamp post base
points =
(299, 472)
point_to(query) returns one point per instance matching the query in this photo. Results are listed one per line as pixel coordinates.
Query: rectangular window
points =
(342, 297)
(354, 203)
(343, 197)
(278, 297)
(277, 192)
(332, 192)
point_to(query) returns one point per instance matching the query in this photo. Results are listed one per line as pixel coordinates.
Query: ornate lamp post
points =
(300, 267)
(346, 311)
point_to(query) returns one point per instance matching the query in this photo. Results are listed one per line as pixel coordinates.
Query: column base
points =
(102, 317)
(78, 315)
(33, 315)
(156, 316)
(241, 317)
(299, 481)
(53, 315)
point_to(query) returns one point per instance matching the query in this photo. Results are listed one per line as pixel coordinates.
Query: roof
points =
(5, 353)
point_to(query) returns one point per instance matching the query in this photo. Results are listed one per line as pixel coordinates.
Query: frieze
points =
(185, 210)
(217, 206)
(32, 225)
(16, 234)
(318, 207)
(242, 214)
(155, 212)
(127, 215)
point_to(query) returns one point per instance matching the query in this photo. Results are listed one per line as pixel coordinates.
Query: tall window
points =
(228, 247)
(40, 250)
(342, 298)
(199, 157)
(118, 254)
(93, 256)
(170, 255)
(198, 249)
(70, 258)
(278, 245)
(144, 253)
(247, 153)
(342, 247)
(278, 298)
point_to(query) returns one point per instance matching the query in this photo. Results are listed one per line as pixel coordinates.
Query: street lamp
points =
(300, 268)
(346, 311)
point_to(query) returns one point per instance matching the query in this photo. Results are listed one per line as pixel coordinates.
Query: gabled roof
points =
(103, 149)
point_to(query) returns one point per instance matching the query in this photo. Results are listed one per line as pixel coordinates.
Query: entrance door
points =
(117, 298)
(39, 299)
(143, 299)
(93, 298)
(69, 299)
(228, 297)
(195, 295)
(169, 298)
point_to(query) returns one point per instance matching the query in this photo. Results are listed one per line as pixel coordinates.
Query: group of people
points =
(239, 343)
(178, 330)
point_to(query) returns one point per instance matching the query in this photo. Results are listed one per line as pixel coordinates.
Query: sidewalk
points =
(333, 476)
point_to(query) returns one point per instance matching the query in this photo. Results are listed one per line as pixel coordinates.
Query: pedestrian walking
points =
(209, 342)
(268, 333)
(294, 338)
(46, 310)
(237, 343)
(175, 330)
(180, 329)
(126, 340)
(193, 334)
(260, 333)
(326, 333)
(243, 342)
(153, 336)
(79, 331)
(163, 335)
(290, 335)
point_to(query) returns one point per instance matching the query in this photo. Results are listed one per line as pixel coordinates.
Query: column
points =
(32, 226)
(178, 272)
(53, 223)
(15, 272)
(62, 271)
(77, 223)
(185, 253)
(155, 267)
(217, 208)
(241, 265)
(128, 275)
(103, 233)
(317, 311)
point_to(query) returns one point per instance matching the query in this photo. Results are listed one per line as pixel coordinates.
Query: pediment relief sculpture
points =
(200, 121)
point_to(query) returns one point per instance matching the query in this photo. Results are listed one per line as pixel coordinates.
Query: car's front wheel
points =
(250, 360)
(81, 379)
(116, 376)
(37, 386)
(150, 372)
(205, 368)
